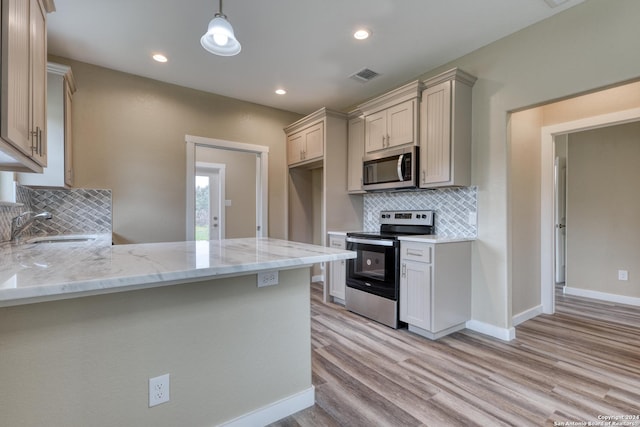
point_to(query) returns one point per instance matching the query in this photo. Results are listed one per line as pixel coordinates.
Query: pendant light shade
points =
(219, 38)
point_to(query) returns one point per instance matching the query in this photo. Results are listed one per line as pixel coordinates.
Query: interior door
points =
(560, 173)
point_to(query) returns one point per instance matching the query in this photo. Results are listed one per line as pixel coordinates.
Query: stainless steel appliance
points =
(373, 277)
(390, 169)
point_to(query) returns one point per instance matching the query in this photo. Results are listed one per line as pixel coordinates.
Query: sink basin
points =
(69, 238)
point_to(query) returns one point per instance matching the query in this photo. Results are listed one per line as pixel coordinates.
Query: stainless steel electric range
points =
(373, 277)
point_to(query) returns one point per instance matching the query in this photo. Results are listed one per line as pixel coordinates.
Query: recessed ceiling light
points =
(281, 91)
(160, 58)
(362, 34)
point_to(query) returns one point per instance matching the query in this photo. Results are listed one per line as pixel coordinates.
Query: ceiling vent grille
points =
(364, 75)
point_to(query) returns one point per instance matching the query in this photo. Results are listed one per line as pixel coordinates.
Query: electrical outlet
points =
(623, 275)
(158, 390)
(267, 278)
(473, 218)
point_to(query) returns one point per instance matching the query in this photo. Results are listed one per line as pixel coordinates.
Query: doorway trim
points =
(262, 169)
(547, 203)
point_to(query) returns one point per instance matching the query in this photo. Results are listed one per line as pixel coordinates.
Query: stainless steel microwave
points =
(390, 169)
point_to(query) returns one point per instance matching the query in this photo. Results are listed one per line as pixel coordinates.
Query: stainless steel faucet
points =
(24, 220)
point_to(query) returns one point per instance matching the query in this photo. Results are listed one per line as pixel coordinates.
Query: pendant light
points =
(219, 38)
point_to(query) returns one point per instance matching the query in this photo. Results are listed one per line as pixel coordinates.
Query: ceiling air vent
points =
(364, 75)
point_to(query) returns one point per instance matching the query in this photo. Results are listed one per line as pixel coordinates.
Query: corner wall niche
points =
(317, 190)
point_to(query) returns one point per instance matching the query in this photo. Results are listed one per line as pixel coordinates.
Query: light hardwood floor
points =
(578, 364)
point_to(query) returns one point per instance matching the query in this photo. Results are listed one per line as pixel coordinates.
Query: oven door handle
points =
(370, 241)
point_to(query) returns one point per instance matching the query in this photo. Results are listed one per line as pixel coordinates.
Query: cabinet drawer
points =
(421, 252)
(337, 242)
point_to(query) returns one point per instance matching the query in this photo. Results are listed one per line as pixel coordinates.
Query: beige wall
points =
(228, 346)
(603, 208)
(129, 137)
(578, 50)
(524, 209)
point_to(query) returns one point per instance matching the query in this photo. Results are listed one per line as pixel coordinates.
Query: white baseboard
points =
(276, 410)
(504, 334)
(526, 315)
(620, 299)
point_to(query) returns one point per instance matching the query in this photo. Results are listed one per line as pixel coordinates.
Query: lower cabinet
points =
(337, 270)
(435, 287)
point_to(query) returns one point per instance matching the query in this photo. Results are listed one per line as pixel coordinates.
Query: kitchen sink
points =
(68, 238)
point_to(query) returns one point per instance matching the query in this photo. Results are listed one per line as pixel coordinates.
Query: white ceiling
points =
(305, 46)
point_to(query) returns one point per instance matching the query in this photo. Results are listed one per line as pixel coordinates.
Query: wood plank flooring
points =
(578, 364)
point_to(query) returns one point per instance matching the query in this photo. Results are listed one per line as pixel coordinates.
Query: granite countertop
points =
(35, 272)
(433, 238)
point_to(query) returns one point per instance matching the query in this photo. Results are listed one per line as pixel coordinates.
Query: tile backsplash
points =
(452, 207)
(74, 211)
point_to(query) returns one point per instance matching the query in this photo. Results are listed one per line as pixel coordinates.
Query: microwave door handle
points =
(400, 165)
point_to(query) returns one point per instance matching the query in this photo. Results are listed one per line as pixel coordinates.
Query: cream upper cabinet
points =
(59, 170)
(39, 82)
(355, 152)
(376, 131)
(445, 130)
(16, 126)
(391, 127)
(24, 73)
(306, 145)
(391, 119)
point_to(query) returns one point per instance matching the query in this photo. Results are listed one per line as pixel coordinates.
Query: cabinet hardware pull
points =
(414, 253)
(40, 141)
(404, 270)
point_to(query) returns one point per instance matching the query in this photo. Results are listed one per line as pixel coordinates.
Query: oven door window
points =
(374, 269)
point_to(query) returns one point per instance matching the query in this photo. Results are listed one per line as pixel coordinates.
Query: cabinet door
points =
(16, 92)
(435, 135)
(294, 147)
(375, 131)
(68, 136)
(338, 269)
(400, 124)
(314, 142)
(415, 294)
(39, 82)
(355, 153)
(338, 279)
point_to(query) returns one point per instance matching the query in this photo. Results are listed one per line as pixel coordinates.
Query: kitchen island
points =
(84, 325)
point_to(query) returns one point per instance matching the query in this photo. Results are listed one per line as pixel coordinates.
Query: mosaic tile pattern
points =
(7, 213)
(74, 211)
(451, 206)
